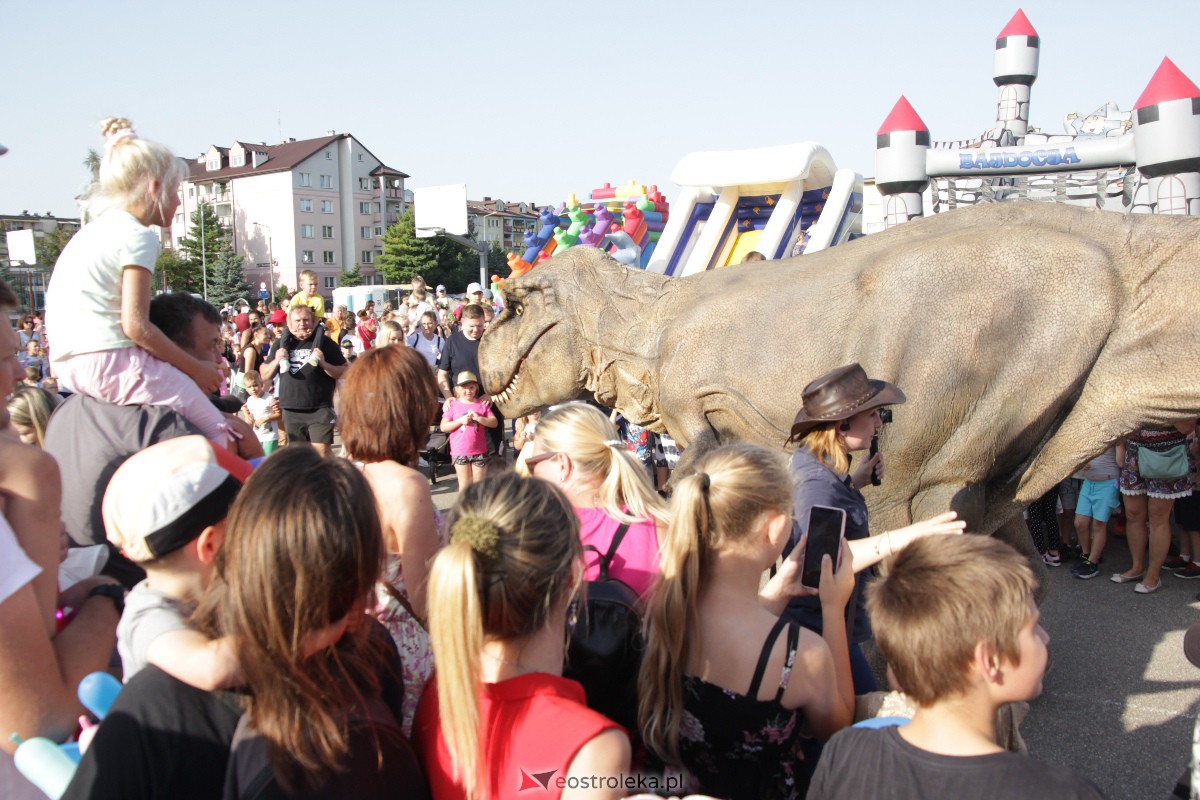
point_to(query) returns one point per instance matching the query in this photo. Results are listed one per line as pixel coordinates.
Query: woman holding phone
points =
(726, 685)
(841, 415)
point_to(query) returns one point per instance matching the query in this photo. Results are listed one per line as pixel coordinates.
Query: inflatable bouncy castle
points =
(1146, 160)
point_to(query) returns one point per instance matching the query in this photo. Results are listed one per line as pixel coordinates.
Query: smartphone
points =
(826, 529)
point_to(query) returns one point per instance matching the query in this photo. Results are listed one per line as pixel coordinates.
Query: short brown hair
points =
(942, 596)
(387, 405)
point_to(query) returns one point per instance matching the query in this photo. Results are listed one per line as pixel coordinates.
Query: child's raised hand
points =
(207, 375)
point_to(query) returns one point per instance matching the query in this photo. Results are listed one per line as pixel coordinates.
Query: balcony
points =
(391, 194)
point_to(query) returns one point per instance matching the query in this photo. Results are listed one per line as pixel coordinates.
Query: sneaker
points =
(1085, 569)
(1177, 562)
(1051, 560)
(1192, 570)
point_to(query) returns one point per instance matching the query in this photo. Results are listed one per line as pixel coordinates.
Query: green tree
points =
(174, 272)
(404, 256)
(207, 239)
(226, 280)
(352, 278)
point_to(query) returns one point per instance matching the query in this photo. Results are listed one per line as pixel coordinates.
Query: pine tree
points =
(352, 278)
(199, 252)
(226, 280)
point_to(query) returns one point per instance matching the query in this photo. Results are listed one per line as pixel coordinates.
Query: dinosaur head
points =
(531, 356)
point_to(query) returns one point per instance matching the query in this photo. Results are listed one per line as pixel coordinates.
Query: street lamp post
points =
(270, 258)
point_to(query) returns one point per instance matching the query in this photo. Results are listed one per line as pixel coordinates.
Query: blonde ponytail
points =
(456, 632)
(512, 559)
(721, 503)
(672, 619)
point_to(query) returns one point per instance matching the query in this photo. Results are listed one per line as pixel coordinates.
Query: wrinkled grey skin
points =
(1027, 337)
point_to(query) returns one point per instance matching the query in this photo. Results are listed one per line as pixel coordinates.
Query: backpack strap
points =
(765, 656)
(606, 558)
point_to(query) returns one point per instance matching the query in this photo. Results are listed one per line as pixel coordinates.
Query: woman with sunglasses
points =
(576, 447)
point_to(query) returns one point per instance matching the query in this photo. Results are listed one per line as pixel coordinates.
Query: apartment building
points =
(321, 204)
(29, 278)
(502, 224)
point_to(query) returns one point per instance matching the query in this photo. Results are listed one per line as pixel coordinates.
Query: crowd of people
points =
(295, 621)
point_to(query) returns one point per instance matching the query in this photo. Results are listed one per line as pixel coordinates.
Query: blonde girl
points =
(578, 448)
(98, 301)
(498, 706)
(726, 684)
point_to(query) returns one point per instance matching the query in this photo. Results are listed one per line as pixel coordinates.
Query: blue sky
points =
(531, 102)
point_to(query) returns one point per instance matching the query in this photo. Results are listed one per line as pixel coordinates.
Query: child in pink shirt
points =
(465, 420)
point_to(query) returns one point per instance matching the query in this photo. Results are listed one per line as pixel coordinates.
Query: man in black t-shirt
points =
(314, 364)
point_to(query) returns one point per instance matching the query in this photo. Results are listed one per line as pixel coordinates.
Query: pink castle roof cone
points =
(1018, 26)
(1168, 83)
(902, 118)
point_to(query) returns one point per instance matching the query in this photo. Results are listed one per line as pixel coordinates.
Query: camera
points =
(885, 415)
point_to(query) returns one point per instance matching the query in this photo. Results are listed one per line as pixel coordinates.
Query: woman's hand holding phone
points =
(837, 585)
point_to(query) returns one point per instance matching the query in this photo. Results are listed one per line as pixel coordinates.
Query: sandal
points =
(1119, 578)
(1051, 559)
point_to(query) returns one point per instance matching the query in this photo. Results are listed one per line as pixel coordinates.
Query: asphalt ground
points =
(1119, 700)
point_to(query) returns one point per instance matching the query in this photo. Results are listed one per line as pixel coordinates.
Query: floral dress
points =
(738, 746)
(1131, 480)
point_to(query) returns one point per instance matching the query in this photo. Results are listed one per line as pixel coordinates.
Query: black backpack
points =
(605, 650)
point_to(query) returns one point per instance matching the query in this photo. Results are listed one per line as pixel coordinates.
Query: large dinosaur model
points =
(1027, 337)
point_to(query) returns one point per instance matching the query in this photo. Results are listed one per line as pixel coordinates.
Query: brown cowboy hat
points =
(841, 394)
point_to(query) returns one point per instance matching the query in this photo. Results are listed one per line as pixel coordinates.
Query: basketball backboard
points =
(440, 209)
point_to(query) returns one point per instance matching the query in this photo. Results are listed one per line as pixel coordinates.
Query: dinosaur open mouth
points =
(503, 396)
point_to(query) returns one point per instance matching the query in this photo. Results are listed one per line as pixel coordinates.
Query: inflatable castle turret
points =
(900, 172)
(1014, 69)
(1167, 136)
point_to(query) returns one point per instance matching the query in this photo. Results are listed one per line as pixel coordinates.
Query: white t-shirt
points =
(83, 303)
(16, 570)
(261, 407)
(148, 614)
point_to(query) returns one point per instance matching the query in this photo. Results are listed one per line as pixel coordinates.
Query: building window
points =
(364, 208)
(360, 156)
(326, 206)
(368, 257)
(306, 179)
(306, 231)
(306, 256)
(238, 159)
(328, 155)
(364, 232)
(191, 191)
(364, 184)
(179, 219)
(326, 181)
(326, 231)
(328, 257)
(214, 164)
(305, 204)
(330, 282)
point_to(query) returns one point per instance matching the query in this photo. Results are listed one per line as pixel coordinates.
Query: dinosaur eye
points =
(518, 309)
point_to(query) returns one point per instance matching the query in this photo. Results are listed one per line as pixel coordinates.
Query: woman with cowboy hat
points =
(841, 415)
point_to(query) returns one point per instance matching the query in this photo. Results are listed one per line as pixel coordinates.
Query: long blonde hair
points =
(826, 443)
(592, 443)
(514, 556)
(128, 166)
(720, 503)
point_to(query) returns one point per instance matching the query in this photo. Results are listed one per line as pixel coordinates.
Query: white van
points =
(356, 297)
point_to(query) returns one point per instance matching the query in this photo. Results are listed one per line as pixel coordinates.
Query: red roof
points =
(1168, 83)
(902, 118)
(1018, 26)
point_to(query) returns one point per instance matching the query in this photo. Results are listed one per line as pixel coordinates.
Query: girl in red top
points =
(499, 720)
